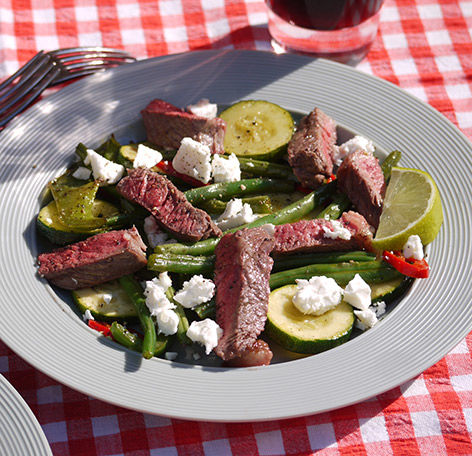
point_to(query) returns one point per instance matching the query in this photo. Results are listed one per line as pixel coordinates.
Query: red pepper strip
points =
(330, 178)
(419, 269)
(167, 168)
(104, 328)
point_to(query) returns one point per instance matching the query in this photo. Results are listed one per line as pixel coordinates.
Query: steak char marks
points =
(309, 235)
(311, 148)
(361, 178)
(167, 124)
(242, 270)
(98, 259)
(168, 205)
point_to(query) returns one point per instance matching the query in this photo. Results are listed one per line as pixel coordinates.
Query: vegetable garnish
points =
(167, 168)
(103, 328)
(419, 269)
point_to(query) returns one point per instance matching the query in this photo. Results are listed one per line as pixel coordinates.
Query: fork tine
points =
(31, 63)
(66, 61)
(28, 76)
(63, 53)
(7, 115)
(79, 70)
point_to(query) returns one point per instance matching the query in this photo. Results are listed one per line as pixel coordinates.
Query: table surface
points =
(424, 47)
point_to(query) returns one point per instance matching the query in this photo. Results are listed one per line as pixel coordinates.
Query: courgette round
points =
(107, 301)
(389, 290)
(302, 333)
(257, 129)
(50, 226)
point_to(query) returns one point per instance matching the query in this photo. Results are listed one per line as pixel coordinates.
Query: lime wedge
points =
(412, 205)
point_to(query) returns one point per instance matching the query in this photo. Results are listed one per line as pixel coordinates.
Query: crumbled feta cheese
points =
(195, 291)
(379, 308)
(358, 293)
(206, 332)
(225, 169)
(171, 356)
(356, 143)
(317, 295)
(269, 228)
(167, 321)
(154, 234)
(146, 157)
(413, 248)
(193, 159)
(204, 108)
(366, 319)
(87, 316)
(107, 297)
(104, 170)
(196, 356)
(235, 214)
(155, 293)
(337, 232)
(82, 173)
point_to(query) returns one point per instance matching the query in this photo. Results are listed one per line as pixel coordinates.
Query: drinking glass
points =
(341, 30)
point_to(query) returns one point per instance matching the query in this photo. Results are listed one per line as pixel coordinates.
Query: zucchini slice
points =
(389, 290)
(127, 154)
(106, 301)
(50, 226)
(302, 333)
(258, 129)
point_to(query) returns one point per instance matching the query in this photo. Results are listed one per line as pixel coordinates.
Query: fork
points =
(47, 69)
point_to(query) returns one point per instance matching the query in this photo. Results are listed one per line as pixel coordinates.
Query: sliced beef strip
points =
(167, 204)
(311, 148)
(98, 259)
(242, 271)
(259, 354)
(361, 178)
(309, 235)
(167, 124)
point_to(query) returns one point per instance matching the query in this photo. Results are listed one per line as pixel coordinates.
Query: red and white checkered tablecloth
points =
(425, 47)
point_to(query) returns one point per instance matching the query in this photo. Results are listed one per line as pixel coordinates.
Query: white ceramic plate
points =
(20, 432)
(418, 332)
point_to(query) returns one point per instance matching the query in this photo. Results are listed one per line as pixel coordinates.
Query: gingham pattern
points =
(423, 46)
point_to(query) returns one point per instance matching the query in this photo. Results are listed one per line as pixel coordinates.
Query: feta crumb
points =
(366, 319)
(413, 248)
(357, 293)
(195, 291)
(193, 159)
(337, 232)
(379, 308)
(104, 170)
(154, 234)
(317, 295)
(167, 321)
(107, 297)
(269, 228)
(356, 143)
(171, 356)
(82, 173)
(206, 332)
(225, 169)
(204, 108)
(87, 316)
(196, 356)
(155, 293)
(146, 157)
(235, 214)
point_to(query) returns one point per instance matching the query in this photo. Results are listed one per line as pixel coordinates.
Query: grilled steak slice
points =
(259, 354)
(310, 235)
(242, 271)
(311, 148)
(167, 204)
(166, 125)
(361, 178)
(98, 259)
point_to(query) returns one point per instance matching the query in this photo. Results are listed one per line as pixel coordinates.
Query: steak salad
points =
(235, 235)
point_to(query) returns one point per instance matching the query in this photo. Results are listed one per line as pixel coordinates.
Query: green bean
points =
(226, 190)
(135, 292)
(336, 208)
(370, 271)
(390, 161)
(206, 309)
(288, 214)
(183, 321)
(126, 338)
(266, 169)
(260, 204)
(181, 264)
